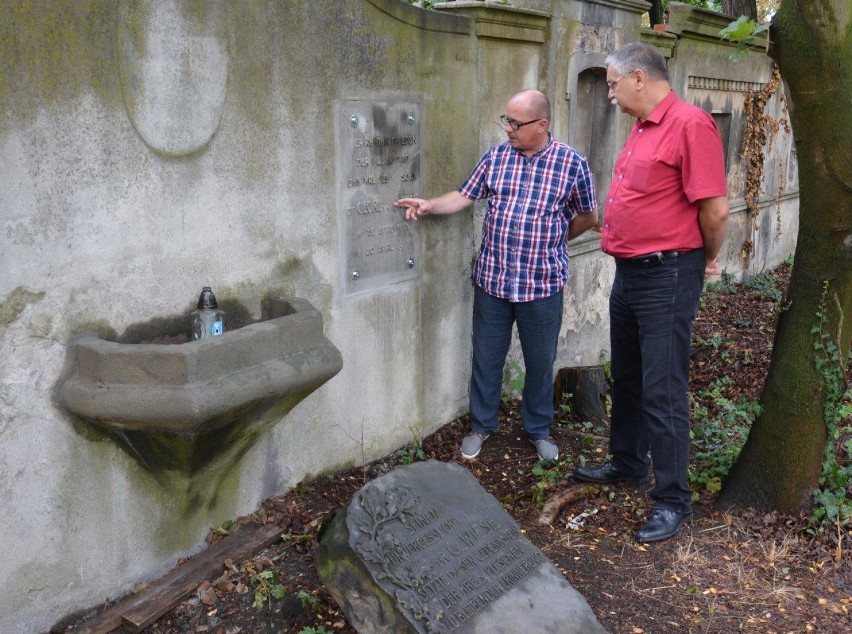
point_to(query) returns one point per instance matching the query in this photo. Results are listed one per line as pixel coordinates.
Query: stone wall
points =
(151, 148)
(701, 72)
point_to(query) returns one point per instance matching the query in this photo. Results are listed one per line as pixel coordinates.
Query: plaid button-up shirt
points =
(531, 201)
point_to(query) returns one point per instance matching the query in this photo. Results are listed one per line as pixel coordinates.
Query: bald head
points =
(527, 121)
(533, 103)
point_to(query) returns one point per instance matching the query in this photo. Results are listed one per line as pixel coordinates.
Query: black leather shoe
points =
(663, 524)
(605, 474)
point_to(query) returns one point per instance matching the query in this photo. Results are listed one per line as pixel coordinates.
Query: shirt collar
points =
(662, 108)
(540, 152)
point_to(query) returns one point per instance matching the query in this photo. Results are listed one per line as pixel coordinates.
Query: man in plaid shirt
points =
(540, 194)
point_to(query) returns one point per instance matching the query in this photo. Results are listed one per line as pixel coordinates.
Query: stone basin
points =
(179, 407)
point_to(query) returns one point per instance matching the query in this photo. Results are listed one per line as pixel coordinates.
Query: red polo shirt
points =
(670, 161)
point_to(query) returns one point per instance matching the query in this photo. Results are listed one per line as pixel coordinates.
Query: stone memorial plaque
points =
(378, 149)
(426, 549)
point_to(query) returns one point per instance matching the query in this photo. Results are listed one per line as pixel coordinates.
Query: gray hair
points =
(639, 56)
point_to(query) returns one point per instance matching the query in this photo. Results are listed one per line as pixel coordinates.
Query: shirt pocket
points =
(640, 175)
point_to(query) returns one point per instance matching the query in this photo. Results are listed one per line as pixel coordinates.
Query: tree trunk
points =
(588, 388)
(656, 13)
(781, 462)
(736, 8)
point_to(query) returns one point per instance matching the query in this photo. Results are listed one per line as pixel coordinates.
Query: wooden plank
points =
(135, 611)
(103, 622)
(208, 567)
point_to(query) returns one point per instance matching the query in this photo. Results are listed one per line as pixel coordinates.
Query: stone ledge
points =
(177, 398)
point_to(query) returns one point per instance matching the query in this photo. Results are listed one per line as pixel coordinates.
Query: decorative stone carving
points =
(173, 64)
(177, 407)
(426, 549)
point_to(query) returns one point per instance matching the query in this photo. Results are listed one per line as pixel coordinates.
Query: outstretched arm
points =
(713, 221)
(449, 203)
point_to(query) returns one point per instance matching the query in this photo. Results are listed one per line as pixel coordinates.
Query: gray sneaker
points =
(546, 449)
(472, 444)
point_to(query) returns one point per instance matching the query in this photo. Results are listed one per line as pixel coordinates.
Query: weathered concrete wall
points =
(150, 148)
(702, 73)
(153, 147)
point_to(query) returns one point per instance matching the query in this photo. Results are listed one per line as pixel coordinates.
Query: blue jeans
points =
(651, 313)
(538, 324)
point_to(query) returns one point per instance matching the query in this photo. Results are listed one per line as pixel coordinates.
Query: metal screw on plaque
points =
(410, 118)
(356, 274)
(353, 120)
(410, 263)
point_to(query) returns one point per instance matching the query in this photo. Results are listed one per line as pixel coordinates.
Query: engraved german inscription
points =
(378, 160)
(444, 569)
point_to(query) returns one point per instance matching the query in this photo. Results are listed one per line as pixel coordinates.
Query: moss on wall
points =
(53, 50)
(16, 302)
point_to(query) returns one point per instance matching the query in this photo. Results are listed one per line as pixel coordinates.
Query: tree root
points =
(555, 502)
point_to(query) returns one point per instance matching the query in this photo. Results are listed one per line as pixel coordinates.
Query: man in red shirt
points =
(665, 219)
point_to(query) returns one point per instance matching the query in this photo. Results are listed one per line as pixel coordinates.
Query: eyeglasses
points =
(504, 120)
(611, 84)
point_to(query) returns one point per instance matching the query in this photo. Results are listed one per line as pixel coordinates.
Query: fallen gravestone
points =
(426, 549)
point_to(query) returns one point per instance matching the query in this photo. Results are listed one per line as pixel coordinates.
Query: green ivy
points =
(831, 499)
(268, 588)
(310, 601)
(548, 477)
(764, 285)
(514, 380)
(412, 452)
(717, 440)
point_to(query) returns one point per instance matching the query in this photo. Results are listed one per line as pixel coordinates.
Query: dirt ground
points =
(728, 572)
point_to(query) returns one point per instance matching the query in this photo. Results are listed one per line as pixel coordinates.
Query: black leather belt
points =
(651, 259)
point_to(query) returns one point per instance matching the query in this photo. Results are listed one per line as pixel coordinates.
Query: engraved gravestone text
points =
(378, 161)
(443, 569)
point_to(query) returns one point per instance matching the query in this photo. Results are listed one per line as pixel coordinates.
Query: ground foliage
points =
(729, 571)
